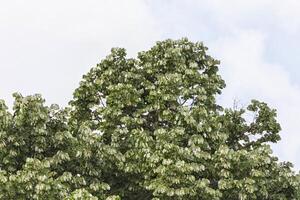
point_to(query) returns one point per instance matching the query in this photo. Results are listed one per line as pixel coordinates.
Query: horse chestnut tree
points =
(143, 128)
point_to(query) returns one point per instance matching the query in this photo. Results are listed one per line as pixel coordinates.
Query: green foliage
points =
(144, 128)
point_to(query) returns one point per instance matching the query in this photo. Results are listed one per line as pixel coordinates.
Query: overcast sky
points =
(46, 46)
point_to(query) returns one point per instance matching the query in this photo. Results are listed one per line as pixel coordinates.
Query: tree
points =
(144, 128)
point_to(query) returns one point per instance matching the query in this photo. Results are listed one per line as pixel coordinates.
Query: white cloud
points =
(275, 13)
(46, 46)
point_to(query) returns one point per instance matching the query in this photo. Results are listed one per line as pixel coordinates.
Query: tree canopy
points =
(144, 128)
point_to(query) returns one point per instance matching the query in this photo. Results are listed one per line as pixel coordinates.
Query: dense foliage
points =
(144, 128)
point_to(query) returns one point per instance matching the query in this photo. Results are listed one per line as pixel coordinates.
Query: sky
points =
(46, 47)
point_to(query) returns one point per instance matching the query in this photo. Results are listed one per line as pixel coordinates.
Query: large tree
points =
(143, 128)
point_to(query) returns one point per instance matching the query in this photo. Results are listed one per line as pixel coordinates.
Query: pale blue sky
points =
(46, 46)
